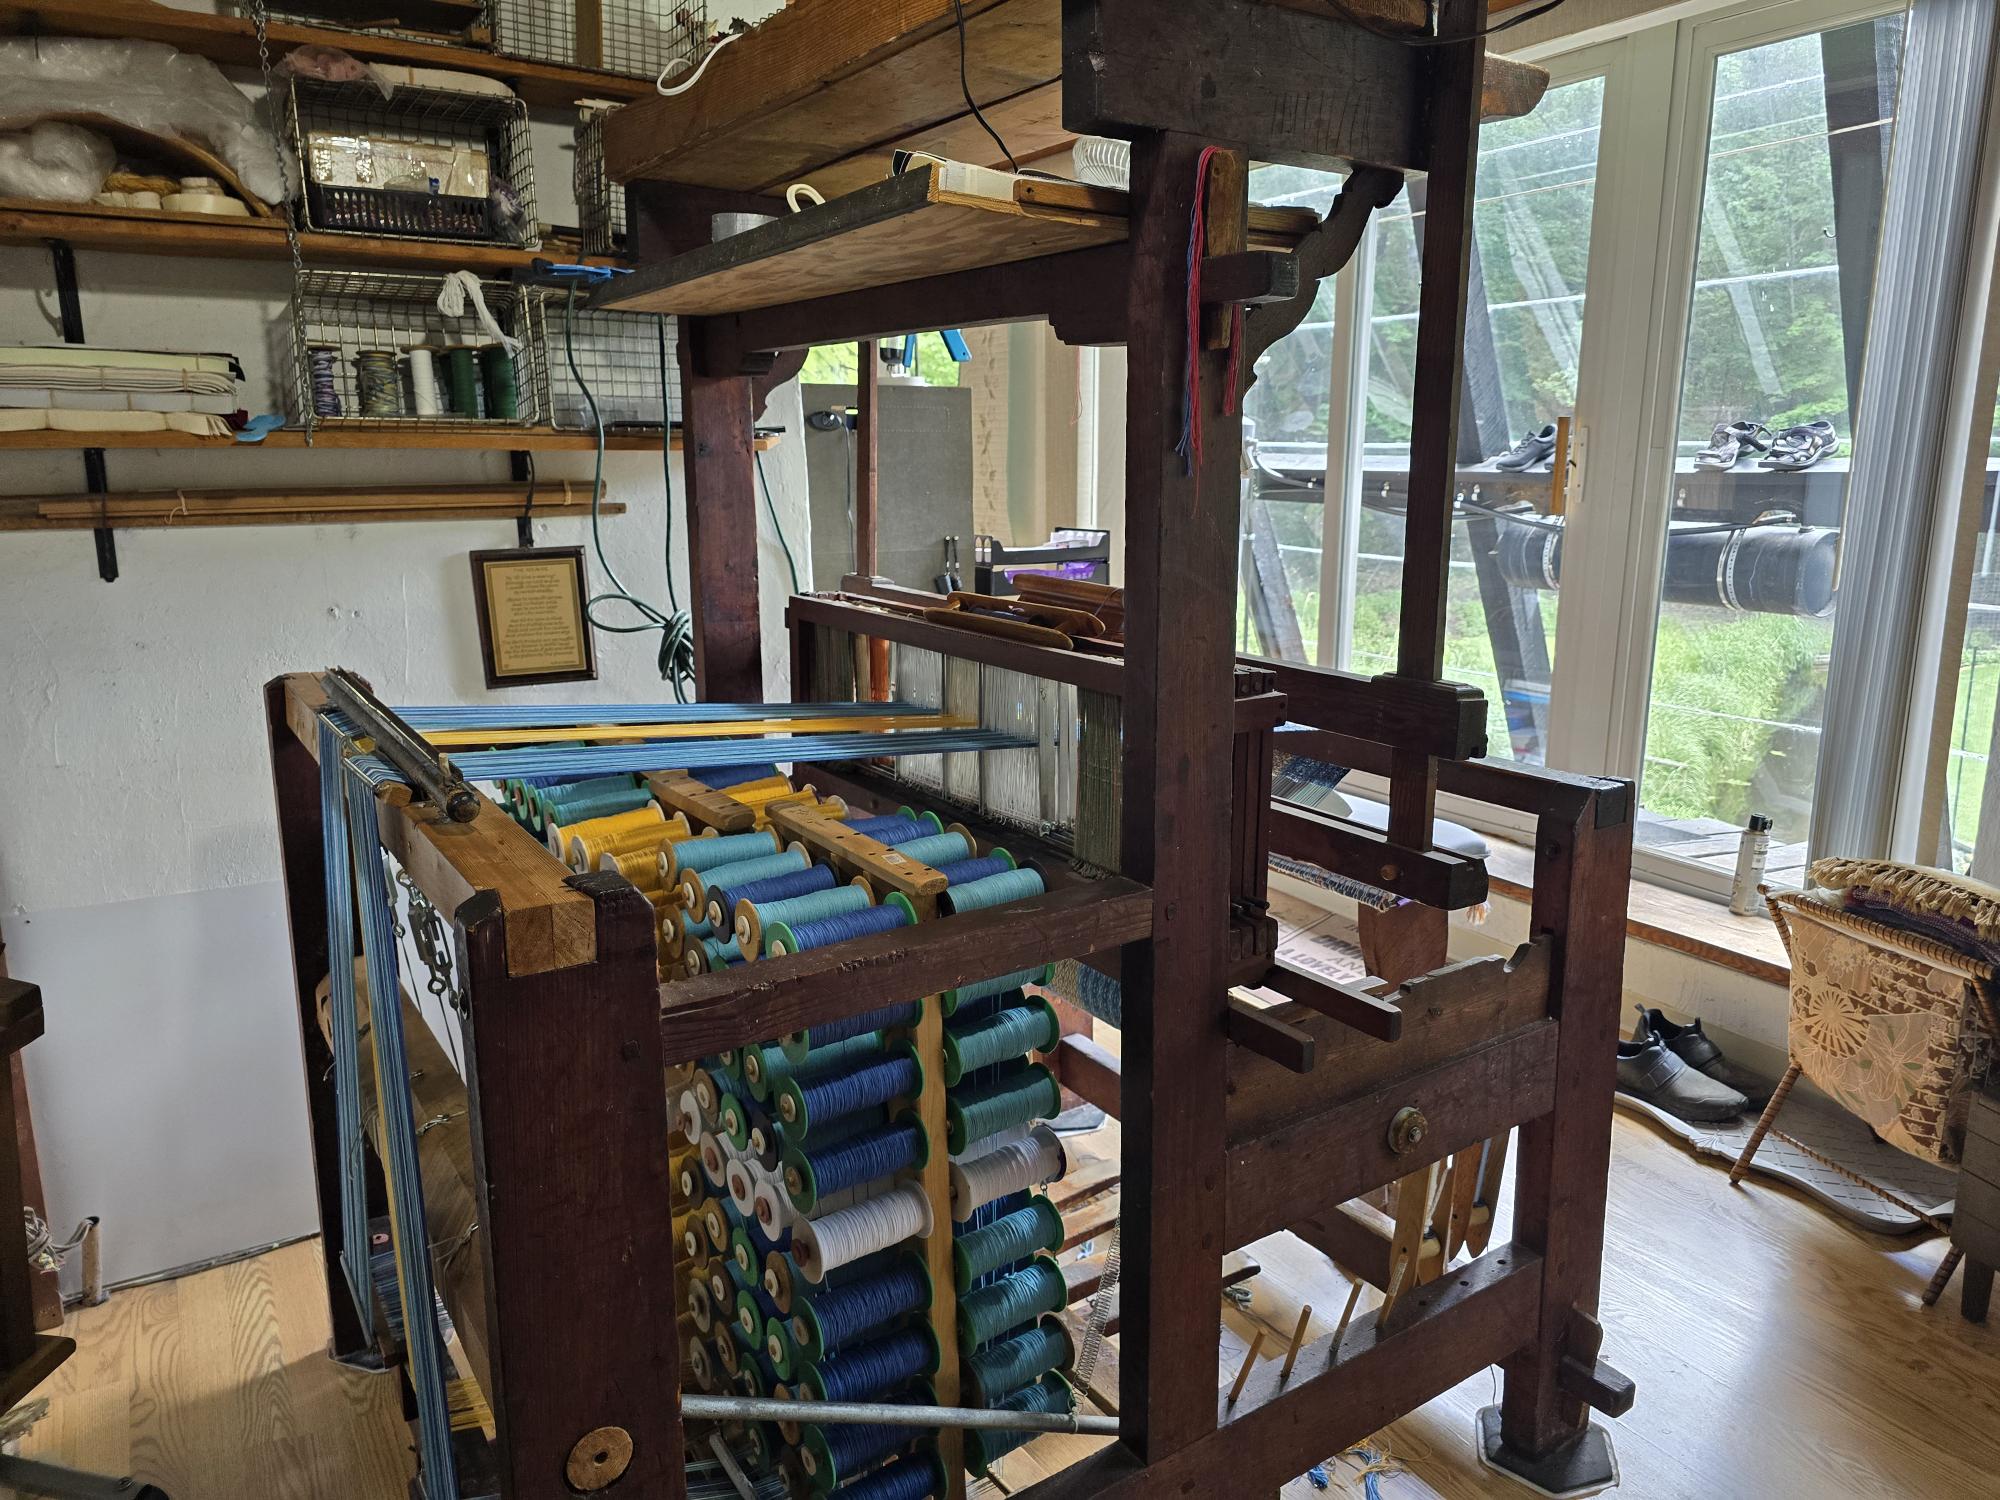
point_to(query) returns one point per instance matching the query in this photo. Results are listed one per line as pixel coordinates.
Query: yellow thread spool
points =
(587, 849)
(640, 866)
(638, 817)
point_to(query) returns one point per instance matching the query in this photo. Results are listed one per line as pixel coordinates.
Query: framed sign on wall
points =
(532, 623)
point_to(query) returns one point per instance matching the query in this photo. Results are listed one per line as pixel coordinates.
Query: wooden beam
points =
(1268, 1035)
(296, 506)
(1083, 669)
(867, 458)
(1349, 1004)
(1449, 881)
(1089, 1071)
(1444, 719)
(721, 481)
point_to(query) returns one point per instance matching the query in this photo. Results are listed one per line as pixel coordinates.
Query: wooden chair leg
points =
(1764, 1122)
(1975, 1291)
(1942, 1275)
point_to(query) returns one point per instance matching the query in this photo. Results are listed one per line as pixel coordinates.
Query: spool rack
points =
(600, 202)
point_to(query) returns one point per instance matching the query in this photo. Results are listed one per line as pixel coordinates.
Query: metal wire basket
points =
(618, 356)
(469, 22)
(425, 163)
(372, 350)
(638, 38)
(600, 202)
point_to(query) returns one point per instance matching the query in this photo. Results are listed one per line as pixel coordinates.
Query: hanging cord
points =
(693, 78)
(965, 88)
(1420, 39)
(676, 659)
(1190, 447)
(772, 507)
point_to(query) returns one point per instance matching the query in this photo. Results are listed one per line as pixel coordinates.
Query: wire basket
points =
(372, 350)
(469, 22)
(638, 38)
(600, 202)
(618, 356)
(422, 164)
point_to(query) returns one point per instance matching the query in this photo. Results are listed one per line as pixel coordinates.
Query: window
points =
(1971, 761)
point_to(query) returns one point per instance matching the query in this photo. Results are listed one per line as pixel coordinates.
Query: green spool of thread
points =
(496, 373)
(974, 1114)
(749, 1379)
(841, 1057)
(780, 1348)
(997, 1310)
(461, 364)
(1017, 1359)
(1031, 1026)
(765, 1067)
(749, 1319)
(938, 849)
(745, 1255)
(1050, 1394)
(730, 1060)
(950, 1000)
(734, 1122)
(995, 890)
(1006, 1240)
(808, 1337)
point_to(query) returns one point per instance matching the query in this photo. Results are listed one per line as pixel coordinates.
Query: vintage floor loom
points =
(742, 1182)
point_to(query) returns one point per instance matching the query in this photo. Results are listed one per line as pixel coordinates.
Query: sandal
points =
(1801, 447)
(1728, 443)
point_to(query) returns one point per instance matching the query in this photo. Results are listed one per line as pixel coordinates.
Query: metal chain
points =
(260, 20)
(433, 944)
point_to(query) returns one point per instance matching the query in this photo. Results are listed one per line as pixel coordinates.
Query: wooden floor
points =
(1778, 1355)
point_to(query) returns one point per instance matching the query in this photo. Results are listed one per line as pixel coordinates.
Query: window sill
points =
(1706, 930)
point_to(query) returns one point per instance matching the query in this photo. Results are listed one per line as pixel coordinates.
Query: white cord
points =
(800, 190)
(660, 83)
(458, 288)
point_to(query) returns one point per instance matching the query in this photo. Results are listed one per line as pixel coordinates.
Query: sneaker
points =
(1535, 448)
(1649, 1072)
(1692, 1046)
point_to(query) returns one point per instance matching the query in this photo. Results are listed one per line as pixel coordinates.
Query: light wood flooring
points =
(1778, 1354)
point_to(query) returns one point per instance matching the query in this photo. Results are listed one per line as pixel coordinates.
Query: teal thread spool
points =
(730, 1060)
(698, 884)
(779, 1347)
(765, 1067)
(938, 849)
(498, 380)
(965, 994)
(994, 890)
(754, 922)
(1012, 1362)
(461, 364)
(710, 853)
(974, 1114)
(1051, 1394)
(1031, 1026)
(998, 1309)
(822, 1062)
(1012, 1238)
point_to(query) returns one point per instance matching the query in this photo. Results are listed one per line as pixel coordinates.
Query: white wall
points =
(138, 861)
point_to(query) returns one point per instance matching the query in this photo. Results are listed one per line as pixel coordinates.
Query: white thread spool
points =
(1011, 1169)
(773, 1207)
(838, 1239)
(988, 1144)
(742, 1187)
(423, 381)
(715, 1158)
(687, 1115)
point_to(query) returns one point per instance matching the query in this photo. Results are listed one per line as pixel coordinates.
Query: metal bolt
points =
(1407, 1129)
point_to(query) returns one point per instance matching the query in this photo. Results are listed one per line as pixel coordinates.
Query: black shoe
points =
(1692, 1046)
(1535, 448)
(1648, 1071)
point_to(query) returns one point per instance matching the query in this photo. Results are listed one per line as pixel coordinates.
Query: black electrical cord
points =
(965, 87)
(1419, 39)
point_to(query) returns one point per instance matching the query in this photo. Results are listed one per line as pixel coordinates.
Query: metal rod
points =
(69, 305)
(861, 1413)
(397, 743)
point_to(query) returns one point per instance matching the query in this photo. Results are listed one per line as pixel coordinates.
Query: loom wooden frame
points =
(1218, 1136)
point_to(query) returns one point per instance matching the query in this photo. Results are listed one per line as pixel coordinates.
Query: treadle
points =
(1587, 1466)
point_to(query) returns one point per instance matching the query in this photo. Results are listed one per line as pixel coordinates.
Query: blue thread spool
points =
(1051, 1394)
(1031, 1026)
(817, 1038)
(811, 1176)
(777, 888)
(830, 1454)
(711, 956)
(974, 1113)
(915, 1476)
(677, 855)
(832, 1318)
(700, 884)
(894, 912)
(1014, 1361)
(966, 871)
(754, 920)
(899, 828)
(952, 999)
(1005, 1241)
(870, 1370)
(1000, 1307)
(827, 1098)
(937, 850)
(722, 778)
(994, 890)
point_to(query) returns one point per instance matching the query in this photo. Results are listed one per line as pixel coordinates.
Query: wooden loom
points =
(1260, 1099)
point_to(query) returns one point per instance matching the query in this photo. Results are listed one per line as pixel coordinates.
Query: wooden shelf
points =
(232, 39)
(898, 230)
(296, 506)
(137, 231)
(481, 439)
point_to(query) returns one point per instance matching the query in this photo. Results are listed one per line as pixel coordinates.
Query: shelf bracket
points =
(521, 463)
(70, 306)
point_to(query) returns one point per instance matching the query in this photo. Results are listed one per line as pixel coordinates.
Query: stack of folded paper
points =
(84, 388)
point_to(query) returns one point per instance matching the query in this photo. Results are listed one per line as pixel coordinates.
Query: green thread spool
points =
(780, 1279)
(780, 1348)
(734, 1121)
(938, 849)
(497, 378)
(814, 906)
(995, 890)
(778, 939)
(749, 1319)
(730, 1060)
(983, 1448)
(973, 1115)
(1015, 1237)
(997, 1310)
(461, 363)
(765, 1067)
(1017, 1359)
(1032, 1026)
(841, 1057)
(951, 1000)
(749, 1379)
(745, 1255)
(808, 1337)
(733, 1278)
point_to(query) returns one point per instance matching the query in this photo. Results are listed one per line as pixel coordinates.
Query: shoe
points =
(1801, 447)
(1649, 1072)
(1730, 441)
(1692, 1046)
(1535, 448)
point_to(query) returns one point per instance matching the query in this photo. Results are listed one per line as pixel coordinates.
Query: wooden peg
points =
(1346, 1317)
(1298, 1338)
(1249, 1363)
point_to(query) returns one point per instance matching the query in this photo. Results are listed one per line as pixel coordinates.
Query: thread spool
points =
(1030, 1027)
(715, 1224)
(899, 828)
(966, 871)
(1010, 1363)
(423, 380)
(773, 1210)
(756, 919)
(779, 1348)
(709, 853)
(995, 890)
(938, 849)
(698, 884)
(829, 1455)
(576, 841)
(742, 1185)
(812, 1176)
(1000, 1307)
(701, 1303)
(914, 1476)
(379, 386)
(559, 818)
(537, 798)
(462, 380)
(687, 1115)
(702, 1362)
(800, 1044)
(1012, 1168)
(732, 1122)
(984, 1448)
(827, 1097)
(721, 1289)
(710, 956)
(322, 363)
(778, 888)
(875, 1368)
(640, 866)
(1007, 1240)
(765, 1067)
(779, 1284)
(497, 379)
(829, 932)
(974, 1113)
(690, 1185)
(965, 994)
(846, 1235)
(828, 1321)
(753, 1311)
(585, 801)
